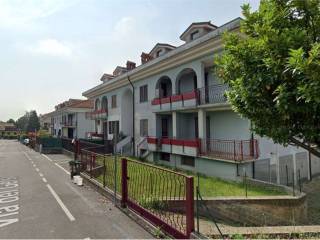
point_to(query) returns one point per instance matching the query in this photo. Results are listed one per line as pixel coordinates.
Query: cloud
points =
(18, 13)
(124, 27)
(51, 47)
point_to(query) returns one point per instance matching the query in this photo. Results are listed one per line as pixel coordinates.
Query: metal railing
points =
(67, 144)
(207, 95)
(163, 197)
(69, 123)
(97, 114)
(212, 94)
(236, 150)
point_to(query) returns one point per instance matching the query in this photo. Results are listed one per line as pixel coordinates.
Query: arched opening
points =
(97, 104)
(127, 113)
(104, 103)
(186, 81)
(164, 87)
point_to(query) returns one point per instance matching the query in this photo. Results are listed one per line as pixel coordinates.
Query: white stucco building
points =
(174, 110)
(69, 119)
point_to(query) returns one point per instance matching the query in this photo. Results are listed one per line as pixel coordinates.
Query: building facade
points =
(8, 131)
(174, 110)
(69, 119)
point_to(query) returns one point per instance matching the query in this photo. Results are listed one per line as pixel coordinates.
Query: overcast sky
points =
(53, 50)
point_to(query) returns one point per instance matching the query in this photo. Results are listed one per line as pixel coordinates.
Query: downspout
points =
(133, 123)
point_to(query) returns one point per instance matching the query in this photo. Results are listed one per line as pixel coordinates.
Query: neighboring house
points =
(8, 130)
(45, 121)
(69, 119)
(174, 109)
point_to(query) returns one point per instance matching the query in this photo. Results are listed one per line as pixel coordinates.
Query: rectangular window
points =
(165, 157)
(188, 161)
(144, 93)
(194, 35)
(144, 127)
(114, 101)
(113, 127)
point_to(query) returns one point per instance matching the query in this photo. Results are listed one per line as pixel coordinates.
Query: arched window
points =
(186, 81)
(97, 104)
(164, 87)
(104, 104)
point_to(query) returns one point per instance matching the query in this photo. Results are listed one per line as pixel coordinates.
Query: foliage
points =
(273, 70)
(29, 122)
(11, 121)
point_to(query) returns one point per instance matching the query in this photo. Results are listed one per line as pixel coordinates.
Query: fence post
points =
(241, 149)
(234, 150)
(91, 162)
(124, 182)
(189, 206)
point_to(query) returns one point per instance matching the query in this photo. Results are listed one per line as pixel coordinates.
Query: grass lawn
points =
(145, 181)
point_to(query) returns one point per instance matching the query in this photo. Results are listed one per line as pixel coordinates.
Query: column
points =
(202, 131)
(174, 124)
(200, 75)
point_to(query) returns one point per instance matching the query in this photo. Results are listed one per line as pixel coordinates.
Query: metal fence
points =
(155, 192)
(230, 149)
(161, 196)
(288, 169)
(67, 144)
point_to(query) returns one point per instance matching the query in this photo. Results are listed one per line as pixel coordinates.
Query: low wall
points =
(252, 211)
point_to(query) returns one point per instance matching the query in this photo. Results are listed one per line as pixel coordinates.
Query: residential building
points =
(174, 110)
(45, 121)
(69, 119)
(8, 130)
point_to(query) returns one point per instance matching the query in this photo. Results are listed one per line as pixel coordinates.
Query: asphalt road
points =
(38, 200)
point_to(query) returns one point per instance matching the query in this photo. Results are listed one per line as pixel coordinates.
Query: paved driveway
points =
(38, 200)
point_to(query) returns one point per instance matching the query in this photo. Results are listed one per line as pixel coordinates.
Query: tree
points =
(22, 122)
(33, 122)
(11, 121)
(273, 71)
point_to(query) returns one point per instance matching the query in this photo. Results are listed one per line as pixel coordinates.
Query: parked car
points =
(26, 141)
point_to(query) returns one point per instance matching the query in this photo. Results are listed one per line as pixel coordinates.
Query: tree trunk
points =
(307, 147)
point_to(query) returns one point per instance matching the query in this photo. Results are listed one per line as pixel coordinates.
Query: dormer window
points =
(159, 53)
(194, 35)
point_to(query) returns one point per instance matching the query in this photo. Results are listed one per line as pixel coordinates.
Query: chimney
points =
(145, 57)
(130, 65)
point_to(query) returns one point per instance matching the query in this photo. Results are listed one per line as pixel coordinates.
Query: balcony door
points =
(164, 127)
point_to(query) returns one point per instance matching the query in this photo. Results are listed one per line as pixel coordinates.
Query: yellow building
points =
(8, 130)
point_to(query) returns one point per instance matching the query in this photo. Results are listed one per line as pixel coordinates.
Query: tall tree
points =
(273, 71)
(22, 122)
(33, 122)
(11, 121)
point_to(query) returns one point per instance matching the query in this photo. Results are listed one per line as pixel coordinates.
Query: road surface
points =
(38, 200)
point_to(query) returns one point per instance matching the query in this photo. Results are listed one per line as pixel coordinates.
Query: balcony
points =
(101, 114)
(68, 123)
(232, 150)
(208, 95)
(236, 150)
(174, 146)
(94, 135)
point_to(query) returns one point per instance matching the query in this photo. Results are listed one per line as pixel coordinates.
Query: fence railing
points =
(236, 150)
(150, 191)
(67, 144)
(153, 192)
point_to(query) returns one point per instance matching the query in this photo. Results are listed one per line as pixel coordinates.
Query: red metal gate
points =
(163, 197)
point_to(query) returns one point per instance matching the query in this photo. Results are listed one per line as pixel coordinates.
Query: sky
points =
(53, 50)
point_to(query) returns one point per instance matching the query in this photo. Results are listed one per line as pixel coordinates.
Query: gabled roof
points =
(161, 45)
(119, 69)
(106, 76)
(82, 104)
(207, 25)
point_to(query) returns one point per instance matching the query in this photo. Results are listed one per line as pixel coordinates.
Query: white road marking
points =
(37, 169)
(44, 180)
(62, 168)
(34, 165)
(64, 208)
(46, 157)
(41, 175)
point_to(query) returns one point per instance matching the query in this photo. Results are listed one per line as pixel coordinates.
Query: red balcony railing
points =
(206, 95)
(236, 150)
(97, 114)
